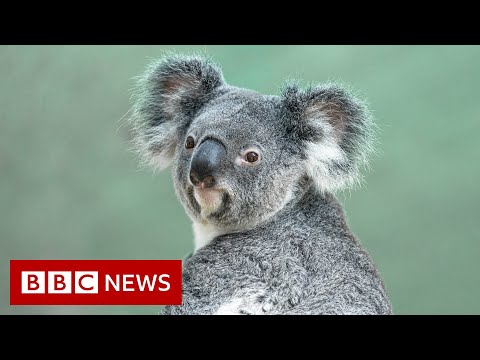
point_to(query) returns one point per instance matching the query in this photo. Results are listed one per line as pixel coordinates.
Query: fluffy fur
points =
(277, 242)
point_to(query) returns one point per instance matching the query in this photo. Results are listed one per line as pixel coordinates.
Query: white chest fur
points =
(204, 233)
(250, 302)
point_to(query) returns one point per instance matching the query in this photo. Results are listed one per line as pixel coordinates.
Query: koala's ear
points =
(165, 99)
(335, 129)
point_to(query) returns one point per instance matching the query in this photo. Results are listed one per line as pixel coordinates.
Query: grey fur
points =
(285, 246)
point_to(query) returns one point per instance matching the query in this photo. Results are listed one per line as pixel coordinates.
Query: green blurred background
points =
(70, 189)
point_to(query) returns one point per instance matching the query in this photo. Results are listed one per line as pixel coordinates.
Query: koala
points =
(256, 174)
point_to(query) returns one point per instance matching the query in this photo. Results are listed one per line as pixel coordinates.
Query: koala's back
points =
(305, 261)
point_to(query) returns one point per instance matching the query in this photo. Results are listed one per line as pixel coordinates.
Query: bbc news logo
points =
(86, 282)
(95, 282)
(59, 282)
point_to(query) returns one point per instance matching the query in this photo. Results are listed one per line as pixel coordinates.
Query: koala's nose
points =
(206, 162)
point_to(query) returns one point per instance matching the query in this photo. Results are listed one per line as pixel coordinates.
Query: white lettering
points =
(166, 283)
(127, 282)
(115, 284)
(146, 281)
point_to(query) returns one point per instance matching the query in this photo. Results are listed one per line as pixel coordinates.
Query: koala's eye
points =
(189, 143)
(251, 157)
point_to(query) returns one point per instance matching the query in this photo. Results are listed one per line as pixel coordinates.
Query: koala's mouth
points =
(208, 202)
(208, 199)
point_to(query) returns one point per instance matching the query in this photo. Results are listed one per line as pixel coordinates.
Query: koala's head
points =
(239, 156)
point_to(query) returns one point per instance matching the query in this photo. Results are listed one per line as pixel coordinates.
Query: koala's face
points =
(238, 156)
(233, 165)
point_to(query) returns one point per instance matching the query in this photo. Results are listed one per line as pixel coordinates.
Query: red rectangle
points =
(95, 282)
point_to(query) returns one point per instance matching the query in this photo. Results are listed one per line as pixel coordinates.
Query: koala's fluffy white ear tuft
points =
(165, 99)
(335, 128)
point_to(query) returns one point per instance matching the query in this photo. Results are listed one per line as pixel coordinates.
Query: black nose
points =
(206, 163)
